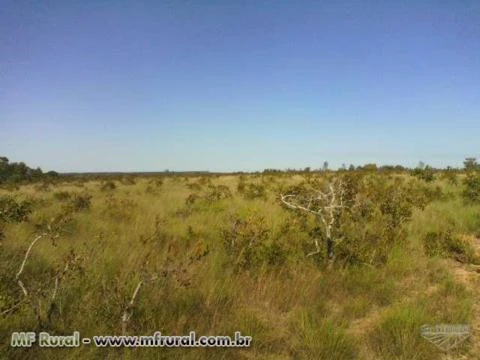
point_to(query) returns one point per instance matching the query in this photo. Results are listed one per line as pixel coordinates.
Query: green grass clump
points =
(319, 338)
(398, 335)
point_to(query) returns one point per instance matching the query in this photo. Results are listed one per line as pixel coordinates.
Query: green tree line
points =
(15, 172)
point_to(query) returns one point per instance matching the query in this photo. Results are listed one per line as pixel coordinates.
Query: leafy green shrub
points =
(371, 226)
(218, 192)
(248, 242)
(471, 193)
(13, 211)
(450, 177)
(351, 188)
(301, 189)
(434, 193)
(426, 174)
(252, 191)
(396, 208)
(367, 240)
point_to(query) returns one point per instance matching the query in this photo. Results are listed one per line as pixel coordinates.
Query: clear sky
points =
(238, 85)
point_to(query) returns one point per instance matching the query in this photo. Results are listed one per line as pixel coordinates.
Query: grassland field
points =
(219, 254)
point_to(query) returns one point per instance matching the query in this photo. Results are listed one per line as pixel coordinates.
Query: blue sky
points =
(238, 85)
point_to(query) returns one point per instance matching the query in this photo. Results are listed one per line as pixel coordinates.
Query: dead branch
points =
(325, 206)
(127, 314)
(22, 266)
(16, 306)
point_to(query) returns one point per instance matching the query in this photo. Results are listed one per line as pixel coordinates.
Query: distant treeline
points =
(366, 167)
(17, 172)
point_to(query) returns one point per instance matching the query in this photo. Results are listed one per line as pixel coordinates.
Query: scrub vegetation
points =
(344, 264)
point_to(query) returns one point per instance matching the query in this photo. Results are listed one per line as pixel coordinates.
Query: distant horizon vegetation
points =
(19, 171)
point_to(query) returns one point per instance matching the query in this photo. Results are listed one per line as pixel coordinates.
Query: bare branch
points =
(317, 246)
(296, 206)
(17, 305)
(127, 314)
(27, 254)
(324, 205)
(22, 266)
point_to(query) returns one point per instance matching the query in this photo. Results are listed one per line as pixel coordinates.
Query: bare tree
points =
(326, 206)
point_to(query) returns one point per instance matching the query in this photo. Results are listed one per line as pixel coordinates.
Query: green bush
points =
(252, 191)
(13, 211)
(369, 229)
(218, 192)
(450, 177)
(426, 174)
(249, 243)
(471, 193)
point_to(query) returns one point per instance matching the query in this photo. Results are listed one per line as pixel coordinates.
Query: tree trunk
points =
(330, 252)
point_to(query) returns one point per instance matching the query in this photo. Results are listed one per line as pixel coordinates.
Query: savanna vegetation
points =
(324, 264)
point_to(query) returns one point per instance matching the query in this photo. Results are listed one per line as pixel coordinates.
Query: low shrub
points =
(79, 202)
(471, 192)
(252, 191)
(250, 245)
(447, 244)
(218, 192)
(108, 186)
(14, 211)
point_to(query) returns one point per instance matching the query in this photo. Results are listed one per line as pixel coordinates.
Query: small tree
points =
(471, 193)
(370, 167)
(470, 164)
(326, 207)
(424, 173)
